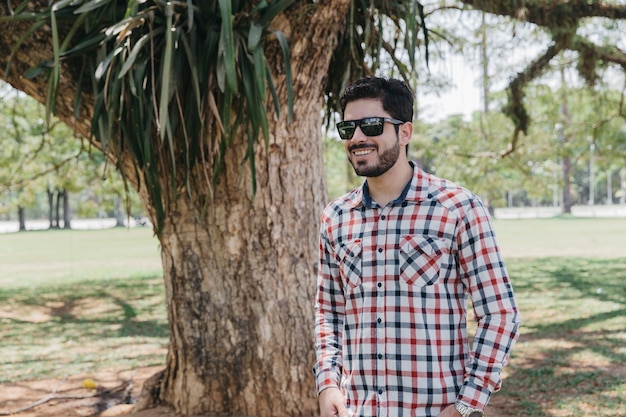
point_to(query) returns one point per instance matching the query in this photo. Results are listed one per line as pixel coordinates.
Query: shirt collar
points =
(415, 190)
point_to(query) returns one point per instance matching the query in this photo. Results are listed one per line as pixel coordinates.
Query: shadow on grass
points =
(570, 356)
(82, 326)
(573, 277)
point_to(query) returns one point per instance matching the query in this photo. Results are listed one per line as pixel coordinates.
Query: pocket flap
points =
(350, 250)
(427, 245)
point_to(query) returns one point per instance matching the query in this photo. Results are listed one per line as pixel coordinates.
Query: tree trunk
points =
(57, 210)
(240, 272)
(240, 285)
(67, 215)
(240, 288)
(622, 188)
(50, 208)
(21, 216)
(484, 61)
(566, 164)
(120, 214)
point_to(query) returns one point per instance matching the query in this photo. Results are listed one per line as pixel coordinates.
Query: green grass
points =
(571, 355)
(569, 275)
(63, 256)
(75, 302)
(599, 238)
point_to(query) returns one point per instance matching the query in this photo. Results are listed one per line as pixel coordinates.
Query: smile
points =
(362, 149)
(361, 152)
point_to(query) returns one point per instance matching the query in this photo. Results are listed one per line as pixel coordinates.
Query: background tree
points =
(546, 40)
(211, 111)
(468, 151)
(36, 156)
(45, 159)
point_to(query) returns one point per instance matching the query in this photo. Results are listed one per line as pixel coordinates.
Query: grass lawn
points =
(63, 256)
(85, 301)
(569, 275)
(572, 237)
(570, 359)
(74, 301)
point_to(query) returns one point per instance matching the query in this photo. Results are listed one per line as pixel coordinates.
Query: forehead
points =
(365, 107)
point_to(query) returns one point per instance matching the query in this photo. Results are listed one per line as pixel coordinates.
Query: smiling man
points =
(399, 258)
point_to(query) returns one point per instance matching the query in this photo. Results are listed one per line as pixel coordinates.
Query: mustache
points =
(361, 146)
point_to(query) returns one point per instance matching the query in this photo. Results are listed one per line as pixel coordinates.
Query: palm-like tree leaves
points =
(227, 45)
(174, 80)
(158, 67)
(287, 57)
(374, 31)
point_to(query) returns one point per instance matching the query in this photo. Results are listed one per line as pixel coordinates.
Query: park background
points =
(90, 303)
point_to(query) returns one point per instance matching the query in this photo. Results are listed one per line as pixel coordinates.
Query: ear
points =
(405, 133)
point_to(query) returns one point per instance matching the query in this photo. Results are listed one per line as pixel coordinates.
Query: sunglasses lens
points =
(346, 129)
(372, 126)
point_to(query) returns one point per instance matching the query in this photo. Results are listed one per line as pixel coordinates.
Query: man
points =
(399, 258)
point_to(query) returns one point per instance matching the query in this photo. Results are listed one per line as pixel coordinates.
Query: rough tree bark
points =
(239, 273)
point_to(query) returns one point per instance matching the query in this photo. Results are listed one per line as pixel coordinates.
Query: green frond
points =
(91, 5)
(166, 67)
(132, 57)
(254, 37)
(165, 73)
(227, 45)
(287, 59)
(272, 87)
(372, 33)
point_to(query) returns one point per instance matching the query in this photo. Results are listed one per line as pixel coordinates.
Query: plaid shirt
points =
(391, 305)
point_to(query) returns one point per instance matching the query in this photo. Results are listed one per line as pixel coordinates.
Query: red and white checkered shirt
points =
(391, 306)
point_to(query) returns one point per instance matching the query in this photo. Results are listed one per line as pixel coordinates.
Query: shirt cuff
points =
(327, 379)
(474, 396)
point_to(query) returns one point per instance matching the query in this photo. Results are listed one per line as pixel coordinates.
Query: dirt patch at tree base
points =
(115, 395)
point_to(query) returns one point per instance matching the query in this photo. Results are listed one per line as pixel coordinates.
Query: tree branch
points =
(560, 19)
(550, 15)
(515, 108)
(53, 168)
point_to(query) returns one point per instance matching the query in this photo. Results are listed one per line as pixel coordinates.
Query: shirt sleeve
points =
(329, 317)
(493, 300)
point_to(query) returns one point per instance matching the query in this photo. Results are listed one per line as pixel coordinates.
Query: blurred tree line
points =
(469, 151)
(573, 149)
(43, 175)
(573, 153)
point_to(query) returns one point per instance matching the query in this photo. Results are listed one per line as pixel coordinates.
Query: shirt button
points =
(383, 217)
(380, 391)
(380, 356)
(379, 320)
(380, 284)
(380, 250)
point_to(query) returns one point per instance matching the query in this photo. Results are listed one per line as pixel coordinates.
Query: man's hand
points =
(332, 403)
(449, 411)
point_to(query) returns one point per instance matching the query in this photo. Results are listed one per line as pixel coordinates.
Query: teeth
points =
(362, 152)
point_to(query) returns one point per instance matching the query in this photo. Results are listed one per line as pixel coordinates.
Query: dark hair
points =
(396, 97)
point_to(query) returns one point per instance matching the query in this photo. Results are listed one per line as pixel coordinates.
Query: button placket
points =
(381, 276)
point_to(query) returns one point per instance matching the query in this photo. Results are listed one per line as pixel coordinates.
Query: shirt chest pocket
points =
(420, 260)
(350, 263)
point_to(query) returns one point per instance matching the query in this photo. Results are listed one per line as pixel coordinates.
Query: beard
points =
(386, 160)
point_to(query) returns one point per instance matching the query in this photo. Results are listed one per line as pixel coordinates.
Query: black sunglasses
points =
(370, 126)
